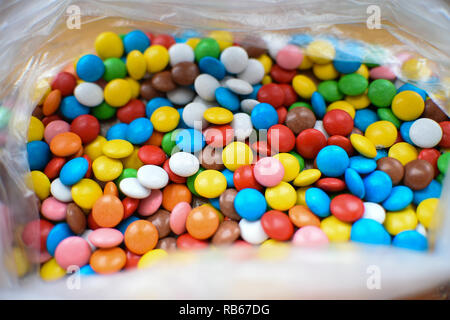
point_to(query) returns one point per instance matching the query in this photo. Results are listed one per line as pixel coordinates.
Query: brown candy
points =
(255, 46)
(392, 167)
(160, 220)
(227, 233)
(198, 201)
(38, 113)
(433, 111)
(211, 158)
(167, 244)
(418, 174)
(184, 73)
(226, 203)
(75, 218)
(299, 119)
(356, 131)
(147, 91)
(162, 81)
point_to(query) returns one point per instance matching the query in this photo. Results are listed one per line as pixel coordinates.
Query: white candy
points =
(181, 52)
(184, 164)
(235, 59)
(152, 177)
(239, 86)
(421, 229)
(208, 104)
(252, 231)
(60, 191)
(131, 187)
(88, 94)
(205, 86)
(425, 133)
(223, 82)
(242, 125)
(180, 95)
(193, 115)
(319, 126)
(275, 42)
(85, 236)
(254, 73)
(374, 211)
(247, 105)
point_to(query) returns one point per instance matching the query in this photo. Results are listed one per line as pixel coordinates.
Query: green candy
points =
(103, 111)
(353, 84)
(299, 158)
(207, 47)
(330, 91)
(300, 104)
(443, 162)
(386, 114)
(114, 69)
(126, 173)
(5, 115)
(440, 178)
(168, 142)
(381, 92)
(190, 182)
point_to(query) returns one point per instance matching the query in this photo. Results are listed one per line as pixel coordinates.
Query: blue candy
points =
(215, 203)
(369, 231)
(318, 202)
(410, 239)
(404, 131)
(348, 57)
(38, 154)
(354, 183)
(378, 186)
(73, 171)
(155, 103)
(139, 130)
(136, 40)
(399, 199)
(87, 270)
(362, 164)
(229, 176)
(433, 190)
(364, 118)
(318, 105)
(57, 234)
(301, 39)
(254, 94)
(332, 161)
(122, 227)
(190, 140)
(117, 131)
(410, 87)
(90, 68)
(212, 66)
(264, 116)
(71, 108)
(381, 153)
(227, 99)
(250, 204)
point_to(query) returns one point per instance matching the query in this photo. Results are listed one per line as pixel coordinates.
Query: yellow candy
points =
(416, 69)
(136, 65)
(273, 250)
(117, 148)
(266, 62)
(106, 169)
(16, 261)
(41, 91)
(382, 133)
(281, 197)
(35, 130)
(364, 71)
(40, 183)
(151, 257)
(335, 229)
(266, 79)
(133, 161)
(325, 71)
(51, 271)
(94, 149)
(117, 92)
(426, 211)
(192, 42)
(157, 58)
(165, 119)
(306, 63)
(363, 145)
(218, 115)
(408, 105)
(210, 183)
(320, 51)
(343, 105)
(108, 45)
(290, 164)
(304, 86)
(236, 154)
(307, 177)
(301, 196)
(398, 221)
(223, 38)
(135, 87)
(86, 192)
(358, 102)
(403, 152)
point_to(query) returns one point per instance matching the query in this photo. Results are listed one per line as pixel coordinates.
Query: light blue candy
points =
(378, 186)
(215, 203)
(301, 39)
(381, 153)
(348, 57)
(369, 231)
(318, 105)
(250, 204)
(410, 239)
(57, 234)
(264, 116)
(71, 108)
(254, 94)
(332, 161)
(362, 165)
(410, 87)
(354, 183)
(318, 202)
(87, 270)
(139, 130)
(433, 190)
(404, 131)
(190, 140)
(117, 131)
(364, 118)
(399, 199)
(122, 227)
(38, 155)
(90, 68)
(73, 171)
(155, 103)
(229, 177)
(227, 99)
(136, 40)
(213, 67)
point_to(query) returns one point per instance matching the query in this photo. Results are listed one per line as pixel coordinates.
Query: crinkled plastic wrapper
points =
(37, 42)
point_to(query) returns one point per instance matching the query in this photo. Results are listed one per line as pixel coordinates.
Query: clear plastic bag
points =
(38, 41)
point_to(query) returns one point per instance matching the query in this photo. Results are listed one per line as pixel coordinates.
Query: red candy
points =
(290, 96)
(86, 127)
(172, 176)
(163, 39)
(338, 122)
(244, 177)
(309, 142)
(281, 75)
(35, 233)
(150, 154)
(53, 167)
(445, 141)
(347, 207)
(187, 242)
(130, 205)
(65, 82)
(91, 222)
(331, 184)
(132, 110)
(261, 148)
(277, 225)
(281, 138)
(219, 136)
(282, 113)
(342, 142)
(132, 260)
(47, 120)
(431, 155)
(272, 94)
(89, 170)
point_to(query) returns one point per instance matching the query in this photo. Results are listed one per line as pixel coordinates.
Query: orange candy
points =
(109, 260)
(155, 138)
(111, 189)
(107, 211)
(202, 222)
(174, 194)
(65, 144)
(301, 216)
(51, 102)
(141, 236)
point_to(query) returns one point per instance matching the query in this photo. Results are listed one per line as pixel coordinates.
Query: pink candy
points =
(290, 57)
(310, 236)
(151, 204)
(53, 209)
(72, 251)
(54, 128)
(178, 217)
(268, 171)
(382, 72)
(105, 237)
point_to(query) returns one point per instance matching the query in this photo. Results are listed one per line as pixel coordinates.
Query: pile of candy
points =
(216, 143)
